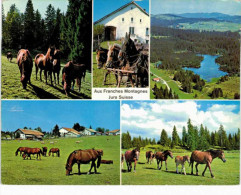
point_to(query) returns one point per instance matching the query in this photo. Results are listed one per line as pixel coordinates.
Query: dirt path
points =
(164, 82)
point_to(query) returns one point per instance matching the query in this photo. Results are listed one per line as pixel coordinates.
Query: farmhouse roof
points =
(31, 132)
(71, 130)
(91, 130)
(124, 6)
(114, 131)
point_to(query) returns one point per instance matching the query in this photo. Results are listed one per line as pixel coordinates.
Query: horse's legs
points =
(205, 170)
(116, 78)
(176, 168)
(92, 164)
(192, 168)
(95, 167)
(40, 74)
(46, 76)
(166, 165)
(161, 165)
(209, 166)
(79, 168)
(50, 74)
(157, 163)
(58, 77)
(104, 81)
(196, 169)
(119, 79)
(135, 167)
(36, 67)
(130, 166)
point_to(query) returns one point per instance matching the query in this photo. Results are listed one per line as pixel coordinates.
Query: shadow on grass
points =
(86, 173)
(42, 94)
(150, 168)
(141, 163)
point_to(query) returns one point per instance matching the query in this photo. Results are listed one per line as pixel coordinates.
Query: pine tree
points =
(222, 136)
(164, 138)
(50, 16)
(175, 137)
(184, 136)
(56, 131)
(39, 33)
(191, 141)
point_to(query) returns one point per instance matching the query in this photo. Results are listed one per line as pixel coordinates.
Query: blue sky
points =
(148, 118)
(104, 7)
(41, 5)
(46, 114)
(231, 7)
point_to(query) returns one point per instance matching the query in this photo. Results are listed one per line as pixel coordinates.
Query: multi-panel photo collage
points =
(123, 93)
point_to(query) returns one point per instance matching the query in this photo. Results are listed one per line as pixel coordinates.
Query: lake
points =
(209, 69)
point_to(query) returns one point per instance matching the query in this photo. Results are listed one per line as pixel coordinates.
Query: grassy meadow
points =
(148, 174)
(12, 87)
(51, 170)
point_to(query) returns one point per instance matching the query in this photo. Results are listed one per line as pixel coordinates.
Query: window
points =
(131, 30)
(147, 41)
(131, 7)
(140, 20)
(123, 19)
(147, 31)
(131, 19)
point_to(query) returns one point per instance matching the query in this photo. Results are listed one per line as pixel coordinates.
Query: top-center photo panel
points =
(121, 40)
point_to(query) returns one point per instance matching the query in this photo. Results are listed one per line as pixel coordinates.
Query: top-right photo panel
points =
(195, 49)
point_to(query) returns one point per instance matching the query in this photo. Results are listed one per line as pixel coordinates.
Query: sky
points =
(46, 114)
(231, 7)
(104, 7)
(148, 118)
(41, 5)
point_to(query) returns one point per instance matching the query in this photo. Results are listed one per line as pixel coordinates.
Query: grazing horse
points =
(25, 64)
(131, 156)
(101, 57)
(56, 65)
(181, 160)
(83, 157)
(150, 156)
(71, 72)
(45, 151)
(54, 150)
(206, 158)
(29, 151)
(162, 156)
(45, 62)
(21, 150)
(9, 56)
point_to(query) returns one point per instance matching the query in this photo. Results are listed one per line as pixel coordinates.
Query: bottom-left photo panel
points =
(60, 142)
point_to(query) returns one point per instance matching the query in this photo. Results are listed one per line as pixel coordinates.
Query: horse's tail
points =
(191, 161)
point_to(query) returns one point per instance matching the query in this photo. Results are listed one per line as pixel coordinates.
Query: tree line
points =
(193, 138)
(70, 32)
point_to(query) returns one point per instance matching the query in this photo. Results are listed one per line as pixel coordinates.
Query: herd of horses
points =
(49, 64)
(200, 157)
(127, 62)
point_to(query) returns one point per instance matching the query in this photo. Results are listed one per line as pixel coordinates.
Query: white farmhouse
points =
(69, 132)
(28, 134)
(130, 18)
(89, 132)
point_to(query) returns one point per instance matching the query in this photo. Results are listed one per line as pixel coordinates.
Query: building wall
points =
(62, 132)
(123, 26)
(65, 133)
(22, 135)
(86, 132)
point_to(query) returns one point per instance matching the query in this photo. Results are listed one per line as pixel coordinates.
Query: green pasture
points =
(12, 87)
(229, 87)
(51, 170)
(148, 174)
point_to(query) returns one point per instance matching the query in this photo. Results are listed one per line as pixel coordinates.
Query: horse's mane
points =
(213, 151)
(166, 151)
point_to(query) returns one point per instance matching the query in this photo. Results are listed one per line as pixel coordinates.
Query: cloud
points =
(16, 109)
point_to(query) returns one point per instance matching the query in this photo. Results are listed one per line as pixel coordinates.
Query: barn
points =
(89, 132)
(130, 18)
(114, 132)
(28, 134)
(69, 132)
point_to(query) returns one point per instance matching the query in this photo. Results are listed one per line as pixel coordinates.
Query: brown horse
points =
(101, 57)
(162, 156)
(45, 62)
(71, 72)
(206, 158)
(83, 157)
(25, 64)
(150, 156)
(29, 151)
(54, 150)
(132, 156)
(56, 65)
(44, 151)
(9, 56)
(21, 150)
(181, 160)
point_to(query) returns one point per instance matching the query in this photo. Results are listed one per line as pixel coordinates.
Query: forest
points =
(70, 32)
(193, 138)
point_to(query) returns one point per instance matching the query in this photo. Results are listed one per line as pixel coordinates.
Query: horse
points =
(54, 150)
(122, 160)
(84, 157)
(56, 65)
(21, 150)
(101, 57)
(205, 157)
(162, 156)
(71, 72)
(132, 156)
(9, 56)
(181, 160)
(29, 151)
(45, 62)
(25, 64)
(149, 156)
(44, 151)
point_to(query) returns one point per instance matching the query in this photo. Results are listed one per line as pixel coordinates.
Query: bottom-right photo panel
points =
(180, 142)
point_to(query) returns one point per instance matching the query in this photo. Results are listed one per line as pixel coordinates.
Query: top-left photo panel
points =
(46, 49)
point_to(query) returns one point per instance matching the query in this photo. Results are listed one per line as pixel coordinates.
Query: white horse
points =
(181, 160)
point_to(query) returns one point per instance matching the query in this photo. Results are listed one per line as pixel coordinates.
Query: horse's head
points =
(169, 153)
(100, 58)
(25, 61)
(128, 45)
(50, 53)
(221, 155)
(99, 154)
(112, 55)
(135, 153)
(68, 169)
(187, 158)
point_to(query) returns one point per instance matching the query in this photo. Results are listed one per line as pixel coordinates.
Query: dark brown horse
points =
(45, 62)
(9, 56)
(205, 158)
(25, 64)
(162, 156)
(54, 150)
(21, 150)
(101, 57)
(56, 65)
(29, 151)
(83, 157)
(132, 156)
(71, 72)
(149, 156)
(44, 151)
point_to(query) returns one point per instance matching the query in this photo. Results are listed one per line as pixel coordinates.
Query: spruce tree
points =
(175, 137)
(50, 25)
(164, 138)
